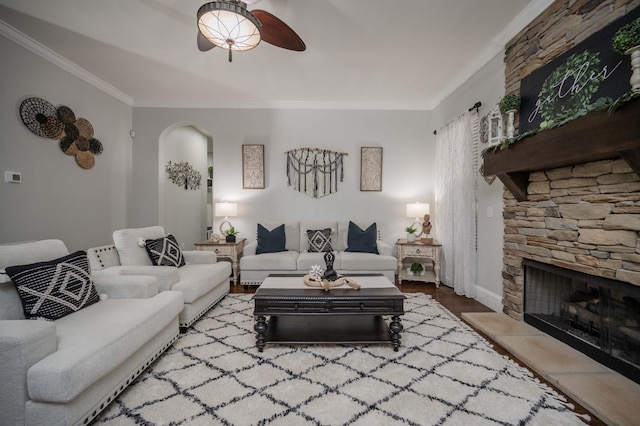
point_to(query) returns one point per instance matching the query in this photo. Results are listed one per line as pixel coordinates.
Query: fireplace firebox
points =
(597, 316)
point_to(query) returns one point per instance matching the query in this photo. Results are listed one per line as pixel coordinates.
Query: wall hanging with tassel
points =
(314, 171)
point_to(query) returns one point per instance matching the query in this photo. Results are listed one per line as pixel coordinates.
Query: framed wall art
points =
(253, 166)
(370, 168)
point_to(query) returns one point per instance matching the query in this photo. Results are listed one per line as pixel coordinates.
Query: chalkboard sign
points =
(588, 71)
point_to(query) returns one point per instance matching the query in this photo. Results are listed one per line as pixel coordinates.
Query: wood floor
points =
(457, 305)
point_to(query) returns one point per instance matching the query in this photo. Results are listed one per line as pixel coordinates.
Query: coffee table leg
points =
(395, 327)
(260, 327)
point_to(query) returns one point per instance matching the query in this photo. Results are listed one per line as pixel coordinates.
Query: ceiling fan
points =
(228, 24)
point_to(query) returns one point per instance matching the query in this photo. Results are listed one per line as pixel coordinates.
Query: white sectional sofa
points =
(297, 259)
(203, 281)
(65, 371)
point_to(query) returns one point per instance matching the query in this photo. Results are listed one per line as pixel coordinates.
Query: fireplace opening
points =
(597, 316)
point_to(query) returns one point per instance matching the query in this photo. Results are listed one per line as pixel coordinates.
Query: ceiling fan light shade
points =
(228, 24)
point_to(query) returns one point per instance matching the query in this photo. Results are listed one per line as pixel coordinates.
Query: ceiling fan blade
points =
(276, 32)
(204, 44)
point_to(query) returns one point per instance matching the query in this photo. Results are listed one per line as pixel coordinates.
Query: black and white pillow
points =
(319, 240)
(165, 251)
(54, 289)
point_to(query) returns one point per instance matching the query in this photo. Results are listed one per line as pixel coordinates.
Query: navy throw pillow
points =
(271, 241)
(362, 241)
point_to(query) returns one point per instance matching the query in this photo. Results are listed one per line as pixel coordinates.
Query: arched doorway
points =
(185, 213)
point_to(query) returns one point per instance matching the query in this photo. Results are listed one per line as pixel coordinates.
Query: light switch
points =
(12, 177)
(490, 211)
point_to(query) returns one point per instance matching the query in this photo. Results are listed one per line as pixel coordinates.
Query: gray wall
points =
(57, 198)
(405, 136)
(487, 86)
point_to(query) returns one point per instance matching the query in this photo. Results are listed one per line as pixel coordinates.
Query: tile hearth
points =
(606, 393)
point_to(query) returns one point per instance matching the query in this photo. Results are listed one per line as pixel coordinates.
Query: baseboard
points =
(489, 299)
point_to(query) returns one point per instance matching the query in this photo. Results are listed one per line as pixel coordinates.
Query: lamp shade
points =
(417, 209)
(229, 25)
(227, 209)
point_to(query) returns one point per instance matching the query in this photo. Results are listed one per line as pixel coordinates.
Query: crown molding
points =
(44, 52)
(324, 105)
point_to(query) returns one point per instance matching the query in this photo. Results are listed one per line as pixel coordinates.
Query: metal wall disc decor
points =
(41, 118)
(75, 134)
(183, 174)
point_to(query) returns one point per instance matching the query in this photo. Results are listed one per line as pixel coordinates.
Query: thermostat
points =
(13, 177)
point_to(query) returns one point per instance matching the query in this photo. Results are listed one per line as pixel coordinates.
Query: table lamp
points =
(416, 211)
(226, 210)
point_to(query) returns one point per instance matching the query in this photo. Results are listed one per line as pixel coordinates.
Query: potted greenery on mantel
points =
(509, 105)
(626, 41)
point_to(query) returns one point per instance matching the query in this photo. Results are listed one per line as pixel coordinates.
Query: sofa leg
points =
(183, 330)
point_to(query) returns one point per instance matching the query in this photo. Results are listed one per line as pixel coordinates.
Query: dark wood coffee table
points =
(305, 315)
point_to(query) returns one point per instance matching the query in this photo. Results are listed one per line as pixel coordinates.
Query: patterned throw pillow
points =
(164, 251)
(319, 240)
(54, 289)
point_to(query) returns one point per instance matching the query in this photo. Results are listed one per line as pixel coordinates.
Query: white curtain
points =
(455, 192)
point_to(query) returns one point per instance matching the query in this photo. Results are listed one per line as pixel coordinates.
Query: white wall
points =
(58, 199)
(486, 86)
(406, 138)
(183, 212)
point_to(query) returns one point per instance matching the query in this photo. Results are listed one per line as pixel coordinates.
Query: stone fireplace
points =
(572, 200)
(584, 218)
(576, 232)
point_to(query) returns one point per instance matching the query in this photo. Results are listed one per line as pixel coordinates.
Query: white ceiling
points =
(381, 54)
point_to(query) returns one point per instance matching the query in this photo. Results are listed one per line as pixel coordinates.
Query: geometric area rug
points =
(443, 374)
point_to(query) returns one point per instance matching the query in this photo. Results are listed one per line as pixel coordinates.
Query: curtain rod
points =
(475, 106)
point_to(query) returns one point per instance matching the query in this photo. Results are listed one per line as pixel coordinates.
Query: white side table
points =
(419, 252)
(230, 251)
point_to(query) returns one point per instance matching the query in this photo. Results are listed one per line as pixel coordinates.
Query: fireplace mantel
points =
(596, 136)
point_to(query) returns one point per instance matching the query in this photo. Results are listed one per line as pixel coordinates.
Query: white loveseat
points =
(64, 372)
(203, 281)
(254, 268)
